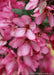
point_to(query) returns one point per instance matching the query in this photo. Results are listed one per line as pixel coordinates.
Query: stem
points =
(50, 2)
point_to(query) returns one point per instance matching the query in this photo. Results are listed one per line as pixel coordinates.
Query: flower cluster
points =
(26, 44)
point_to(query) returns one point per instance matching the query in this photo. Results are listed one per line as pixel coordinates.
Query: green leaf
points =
(18, 11)
(23, 12)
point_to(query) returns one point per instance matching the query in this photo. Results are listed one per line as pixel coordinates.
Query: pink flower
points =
(39, 17)
(27, 46)
(41, 38)
(24, 46)
(25, 27)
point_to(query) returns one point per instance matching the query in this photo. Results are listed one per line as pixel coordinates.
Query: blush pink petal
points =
(35, 46)
(20, 4)
(23, 50)
(9, 67)
(16, 42)
(49, 8)
(20, 32)
(3, 24)
(40, 18)
(30, 35)
(37, 30)
(30, 62)
(36, 14)
(32, 4)
(51, 37)
(41, 42)
(45, 50)
(51, 19)
(32, 26)
(26, 19)
(2, 43)
(45, 36)
(6, 14)
(4, 50)
(36, 10)
(18, 22)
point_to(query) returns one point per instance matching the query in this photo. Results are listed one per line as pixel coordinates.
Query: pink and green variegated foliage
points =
(26, 37)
